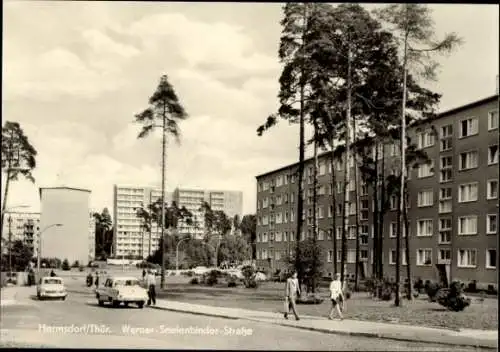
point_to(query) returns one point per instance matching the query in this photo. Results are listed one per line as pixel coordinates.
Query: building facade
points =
(23, 226)
(129, 236)
(68, 207)
(230, 202)
(452, 204)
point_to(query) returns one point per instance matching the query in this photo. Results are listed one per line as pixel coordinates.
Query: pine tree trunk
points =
(398, 255)
(407, 249)
(334, 215)
(375, 249)
(162, 220)
(315, 210)
(356, 196)
(300, 193)
(382, 215)
(347, 168)
(5, 195)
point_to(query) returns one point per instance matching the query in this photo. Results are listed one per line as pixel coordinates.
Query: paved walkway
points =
(466, 337)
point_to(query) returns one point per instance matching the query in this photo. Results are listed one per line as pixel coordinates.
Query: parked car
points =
(200, 270)
(51, 287)
(121, 289)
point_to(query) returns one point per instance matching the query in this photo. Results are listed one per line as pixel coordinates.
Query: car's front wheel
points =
(63, 298)
(140, 304)
(115, 304)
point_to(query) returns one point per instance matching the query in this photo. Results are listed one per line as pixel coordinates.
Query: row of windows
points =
(467, 127)
(466, 257)
(467, 225)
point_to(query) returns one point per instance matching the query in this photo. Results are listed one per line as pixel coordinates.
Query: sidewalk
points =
(16, 295)
(466, 337)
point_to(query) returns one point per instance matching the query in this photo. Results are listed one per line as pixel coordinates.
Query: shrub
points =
(212, 277)
(251, 283)
(76, 264)
(248, 271)
(65, 265)
(190, 273)
(432, 289)
(194, 281)
(232, 283)
(453, 298)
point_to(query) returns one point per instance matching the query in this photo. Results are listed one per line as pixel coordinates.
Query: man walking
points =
(151, 285)
(292, 290)
(337, 297)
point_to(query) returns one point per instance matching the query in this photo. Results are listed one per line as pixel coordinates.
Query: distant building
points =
(129, 237)
(69, 207)
(24, 226)
(230, 202)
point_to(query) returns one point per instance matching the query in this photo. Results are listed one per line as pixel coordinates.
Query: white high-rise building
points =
(23, 226)
(129, 237)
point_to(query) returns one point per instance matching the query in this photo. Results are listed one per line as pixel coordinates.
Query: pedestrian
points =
(337, 297)
(292, 291)
(151, 285)
(52, 273)
(96, 280)
(143, 274)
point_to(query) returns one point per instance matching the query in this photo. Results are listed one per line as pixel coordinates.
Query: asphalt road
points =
(34, 324)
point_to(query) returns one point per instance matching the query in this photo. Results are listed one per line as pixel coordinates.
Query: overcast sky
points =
(75, 73)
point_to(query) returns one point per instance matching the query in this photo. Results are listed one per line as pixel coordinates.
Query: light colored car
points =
(122, 289)
(51, 287)
(200, 270)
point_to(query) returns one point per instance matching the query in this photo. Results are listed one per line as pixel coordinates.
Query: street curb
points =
(477, 344)
(197, 313)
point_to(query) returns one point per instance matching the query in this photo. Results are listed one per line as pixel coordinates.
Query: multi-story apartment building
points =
(91, 236)
(129, 235)
(64, 223)
(452, 205)
(230, 202)
(23, 226)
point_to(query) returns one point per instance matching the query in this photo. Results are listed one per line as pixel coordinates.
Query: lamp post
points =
(177, 253)
(39, 256)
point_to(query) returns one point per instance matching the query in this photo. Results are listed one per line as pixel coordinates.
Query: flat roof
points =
(438, 116)
(64, 187)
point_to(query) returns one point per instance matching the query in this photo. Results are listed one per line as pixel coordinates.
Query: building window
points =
(425, 170)
(321, 235)
(445, 175)
(446, 162)
(445, 202)
(424, 257)
(425, 198)
(364, 189)
(467, 192)
(445, 230)
(445, 144)
(444, 256)
(363, 215)
(424, 228)
(393, 229)
(322, 169)
(339, 233)
(492, 189)
(446, 131)
(351, 232)
(351, 256)
(469, 160)
(493, 120)
(491, 224)
(469, 127)
(363, 237)
(392, 257)
(330, 256)
(425, 139)
(393, 202)
(493, 154)
(363, 255)
(467, 225)
(491, 259)
(467, 258)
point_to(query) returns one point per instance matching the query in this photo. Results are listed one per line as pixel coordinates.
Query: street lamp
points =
(177, 253)
(39, 257)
